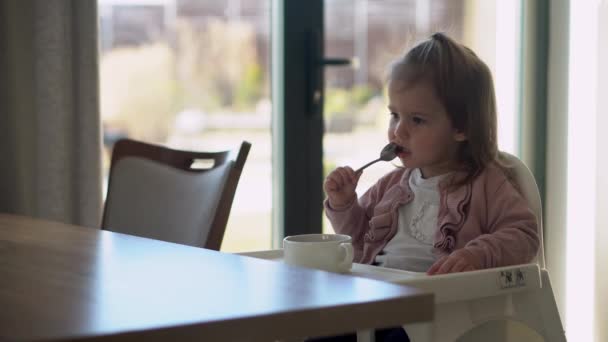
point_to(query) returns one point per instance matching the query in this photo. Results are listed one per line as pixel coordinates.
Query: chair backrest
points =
(526, 182)
(159, 193)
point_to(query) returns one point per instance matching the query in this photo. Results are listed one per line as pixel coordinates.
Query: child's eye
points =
(394, 115)
(417, 120)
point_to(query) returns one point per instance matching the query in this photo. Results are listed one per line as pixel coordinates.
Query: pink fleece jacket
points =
(487, 216)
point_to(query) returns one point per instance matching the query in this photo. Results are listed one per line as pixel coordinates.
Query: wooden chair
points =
(161, 193)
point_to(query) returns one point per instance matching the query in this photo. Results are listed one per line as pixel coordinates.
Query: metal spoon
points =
(388, 153)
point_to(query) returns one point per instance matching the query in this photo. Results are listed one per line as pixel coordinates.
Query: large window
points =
(193, 74)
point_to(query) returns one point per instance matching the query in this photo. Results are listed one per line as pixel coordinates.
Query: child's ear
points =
(460, 136)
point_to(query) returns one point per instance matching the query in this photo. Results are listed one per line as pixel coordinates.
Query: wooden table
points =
(60, 282)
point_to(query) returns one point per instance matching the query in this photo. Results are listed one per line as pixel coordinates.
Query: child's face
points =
(420, 125)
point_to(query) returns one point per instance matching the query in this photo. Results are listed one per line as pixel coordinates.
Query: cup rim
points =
(342, 238)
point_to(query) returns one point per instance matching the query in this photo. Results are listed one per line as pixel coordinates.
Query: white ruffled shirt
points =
(412, 247)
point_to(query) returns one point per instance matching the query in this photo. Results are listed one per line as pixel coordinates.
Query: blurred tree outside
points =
(211, 69)
(345, 109)
(138, 90)
(250, 89)
(217, 66)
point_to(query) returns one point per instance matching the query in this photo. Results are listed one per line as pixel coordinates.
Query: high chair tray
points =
(362, 270)
(446, 287)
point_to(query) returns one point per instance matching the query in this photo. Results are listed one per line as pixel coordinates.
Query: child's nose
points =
(402, 129)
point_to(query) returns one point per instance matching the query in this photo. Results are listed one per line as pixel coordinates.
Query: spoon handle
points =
(366, 165)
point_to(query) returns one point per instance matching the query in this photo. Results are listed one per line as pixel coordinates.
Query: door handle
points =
(315, 67)
(337, 61)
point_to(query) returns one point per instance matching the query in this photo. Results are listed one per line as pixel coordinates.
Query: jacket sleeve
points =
(512, 236)
(353, 219)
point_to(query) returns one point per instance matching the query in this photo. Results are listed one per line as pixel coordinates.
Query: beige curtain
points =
(50, 140)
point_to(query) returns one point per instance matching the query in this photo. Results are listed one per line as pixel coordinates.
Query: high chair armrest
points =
(478, 284)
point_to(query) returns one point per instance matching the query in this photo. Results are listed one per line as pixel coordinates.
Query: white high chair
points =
(464, 301)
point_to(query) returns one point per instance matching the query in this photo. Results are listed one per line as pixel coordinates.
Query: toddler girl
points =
(453, 207)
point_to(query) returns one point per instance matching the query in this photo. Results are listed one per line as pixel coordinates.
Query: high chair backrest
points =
(526, 182)
(161, 193)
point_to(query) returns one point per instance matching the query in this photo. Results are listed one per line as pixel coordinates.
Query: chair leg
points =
(419, 331)
(538, 310)
(366, 336)
(549, 312)
(451, 321)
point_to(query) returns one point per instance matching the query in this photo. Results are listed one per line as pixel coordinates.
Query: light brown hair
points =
(464, 85)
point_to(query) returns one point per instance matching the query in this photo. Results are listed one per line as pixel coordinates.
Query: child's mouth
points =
(403, 152)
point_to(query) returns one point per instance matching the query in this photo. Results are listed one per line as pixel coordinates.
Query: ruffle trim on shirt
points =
(455, 206)
(416, 224)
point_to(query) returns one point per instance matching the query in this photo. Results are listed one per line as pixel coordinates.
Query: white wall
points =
(601, 237)
(557, 131)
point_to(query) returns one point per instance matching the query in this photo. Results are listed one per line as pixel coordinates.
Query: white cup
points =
(329, 252)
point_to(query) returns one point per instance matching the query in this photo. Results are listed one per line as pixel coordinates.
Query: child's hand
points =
(340, 186)
(458, 261)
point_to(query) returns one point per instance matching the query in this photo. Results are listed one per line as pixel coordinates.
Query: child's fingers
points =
(336, 180)
(336, 177)
(459, 266)
(346, 174)
(341, 180)
(451, 264)
(330, 185)
(342, 176)
(446, 266)
(352, 176)
(435, 267)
